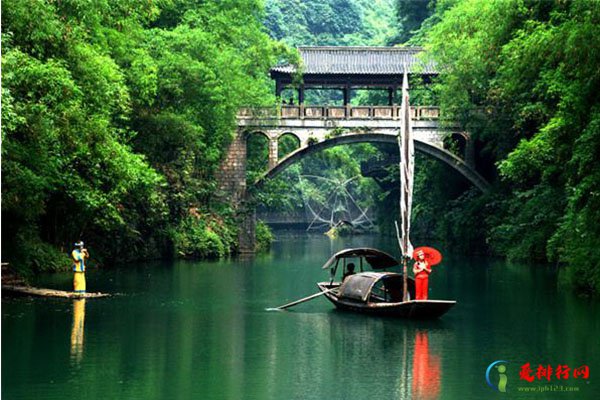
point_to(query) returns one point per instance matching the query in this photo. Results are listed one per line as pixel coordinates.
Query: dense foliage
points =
(410, 15)
(115, 116)
(523, 77)
(330, 22)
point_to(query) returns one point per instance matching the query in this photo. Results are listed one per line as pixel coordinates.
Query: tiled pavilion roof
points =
(319, 60)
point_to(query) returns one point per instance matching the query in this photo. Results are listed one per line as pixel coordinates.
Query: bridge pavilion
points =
(347, 68)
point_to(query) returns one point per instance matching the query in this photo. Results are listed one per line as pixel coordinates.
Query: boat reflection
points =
(77, 330)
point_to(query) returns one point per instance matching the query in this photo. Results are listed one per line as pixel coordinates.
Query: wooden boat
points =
(374, 292)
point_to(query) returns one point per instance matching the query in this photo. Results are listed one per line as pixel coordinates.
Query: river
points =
(199, 330)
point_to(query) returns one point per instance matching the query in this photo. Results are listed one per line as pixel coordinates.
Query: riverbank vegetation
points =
(115, 116)
(523, 78)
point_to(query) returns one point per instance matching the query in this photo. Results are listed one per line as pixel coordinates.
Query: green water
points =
(200, 330)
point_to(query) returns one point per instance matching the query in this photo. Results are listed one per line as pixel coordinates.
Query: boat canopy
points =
(377, 259)
(360, 286)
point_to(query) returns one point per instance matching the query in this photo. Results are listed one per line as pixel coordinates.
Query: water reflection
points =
(77, 330)
(426, 369)
(199, 330)
(401, 359)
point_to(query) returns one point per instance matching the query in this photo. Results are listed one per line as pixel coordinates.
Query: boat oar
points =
(293, 303)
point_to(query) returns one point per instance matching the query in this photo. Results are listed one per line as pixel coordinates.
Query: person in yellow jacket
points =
(79, 255)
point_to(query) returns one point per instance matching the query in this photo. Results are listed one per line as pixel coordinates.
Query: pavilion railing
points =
(337, 112)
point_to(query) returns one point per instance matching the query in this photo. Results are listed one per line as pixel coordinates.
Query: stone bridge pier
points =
(231, 177)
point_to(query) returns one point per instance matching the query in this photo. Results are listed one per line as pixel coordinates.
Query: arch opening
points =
(257, 154)
(456, 143)
(286, 144)
(443, 155)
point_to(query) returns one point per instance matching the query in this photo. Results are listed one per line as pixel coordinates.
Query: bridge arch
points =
(426, 148)
(260, 132)
(256, 140)
(287, 142)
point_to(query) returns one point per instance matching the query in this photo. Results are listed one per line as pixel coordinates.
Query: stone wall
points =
(232, 189)
(232, 172)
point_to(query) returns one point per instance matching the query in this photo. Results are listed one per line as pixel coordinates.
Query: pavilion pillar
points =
(348, 111)
(301, 94)
(346, 91)
(391, 95)
(278, 88)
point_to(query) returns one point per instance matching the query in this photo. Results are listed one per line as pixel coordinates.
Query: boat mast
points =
(407, 162)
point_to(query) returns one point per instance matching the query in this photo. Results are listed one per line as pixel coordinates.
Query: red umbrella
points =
(432, 256)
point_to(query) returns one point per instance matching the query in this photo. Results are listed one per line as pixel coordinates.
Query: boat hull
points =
(413, 309)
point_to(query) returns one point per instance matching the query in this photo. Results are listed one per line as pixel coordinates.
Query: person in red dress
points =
(421, 269)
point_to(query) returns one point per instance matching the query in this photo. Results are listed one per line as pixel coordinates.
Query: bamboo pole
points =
(302, 300)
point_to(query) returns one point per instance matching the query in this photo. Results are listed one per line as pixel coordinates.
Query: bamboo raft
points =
(32, 291)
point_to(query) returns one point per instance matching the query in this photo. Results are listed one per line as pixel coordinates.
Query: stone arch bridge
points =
(344, 70)
(317, 128)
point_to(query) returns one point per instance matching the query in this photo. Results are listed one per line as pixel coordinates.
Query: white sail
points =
(407, 164)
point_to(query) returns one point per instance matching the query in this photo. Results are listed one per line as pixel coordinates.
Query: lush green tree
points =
(330, 22)
(68, 170)
(523, 77)
(410, 14)
(115, 117)
(314, 178)
(212, 62)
